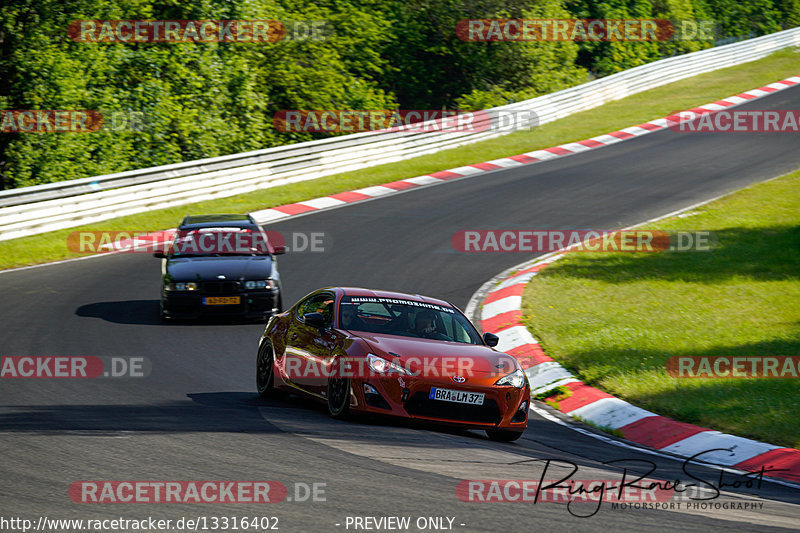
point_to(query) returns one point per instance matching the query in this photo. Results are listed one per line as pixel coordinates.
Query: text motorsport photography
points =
(633, 489)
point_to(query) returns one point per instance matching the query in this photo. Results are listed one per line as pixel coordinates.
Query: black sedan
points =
(220, 265)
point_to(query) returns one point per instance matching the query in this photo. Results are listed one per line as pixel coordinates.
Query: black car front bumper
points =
(194, 304)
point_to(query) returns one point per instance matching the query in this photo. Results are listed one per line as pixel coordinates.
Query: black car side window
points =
(318, 303)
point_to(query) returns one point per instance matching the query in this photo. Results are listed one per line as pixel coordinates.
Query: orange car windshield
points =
(407, 318)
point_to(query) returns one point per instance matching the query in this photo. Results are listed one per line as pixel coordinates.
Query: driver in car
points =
(349, 318)
(425, 326)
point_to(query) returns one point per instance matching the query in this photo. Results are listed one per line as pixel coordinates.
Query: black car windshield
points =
(219, 241)
(408, 318)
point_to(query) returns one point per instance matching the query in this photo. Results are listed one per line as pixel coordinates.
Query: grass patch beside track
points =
(633, 110)
(614, 319)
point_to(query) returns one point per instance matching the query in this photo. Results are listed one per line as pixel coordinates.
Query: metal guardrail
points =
(38, 209)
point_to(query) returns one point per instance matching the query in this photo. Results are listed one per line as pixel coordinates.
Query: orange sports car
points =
(380, 352)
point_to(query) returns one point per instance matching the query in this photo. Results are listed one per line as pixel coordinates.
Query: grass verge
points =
(614, 319)
(629, 111)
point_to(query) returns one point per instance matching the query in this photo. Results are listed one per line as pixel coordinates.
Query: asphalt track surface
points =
(197, 416)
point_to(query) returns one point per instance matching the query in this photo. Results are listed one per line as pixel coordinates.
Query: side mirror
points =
(491, 339)
(315, 320)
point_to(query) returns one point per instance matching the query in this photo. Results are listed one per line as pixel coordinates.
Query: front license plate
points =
(221, 300)
(457, 396)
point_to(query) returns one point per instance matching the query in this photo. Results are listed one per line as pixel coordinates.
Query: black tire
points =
(265, 382)
(503, 435)
(338, 397)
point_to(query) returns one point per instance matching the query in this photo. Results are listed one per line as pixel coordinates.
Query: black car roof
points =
(212, 221)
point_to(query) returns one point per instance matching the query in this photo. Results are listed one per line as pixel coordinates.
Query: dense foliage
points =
(205, 100)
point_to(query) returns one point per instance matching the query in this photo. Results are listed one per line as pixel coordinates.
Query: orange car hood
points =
(421, 355)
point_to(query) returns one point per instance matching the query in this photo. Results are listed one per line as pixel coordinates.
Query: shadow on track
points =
(146, 312)
(219, 412)
(207, 412)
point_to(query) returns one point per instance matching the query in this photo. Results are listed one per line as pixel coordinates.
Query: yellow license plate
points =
(221, 300)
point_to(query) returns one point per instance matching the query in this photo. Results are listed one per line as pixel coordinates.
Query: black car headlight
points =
(262, 284)
(182, 286)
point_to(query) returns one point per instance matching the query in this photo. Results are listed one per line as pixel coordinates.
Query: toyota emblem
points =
(459, 379)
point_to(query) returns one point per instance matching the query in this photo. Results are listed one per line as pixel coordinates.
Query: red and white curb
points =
(344, 198)
(501, 314)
